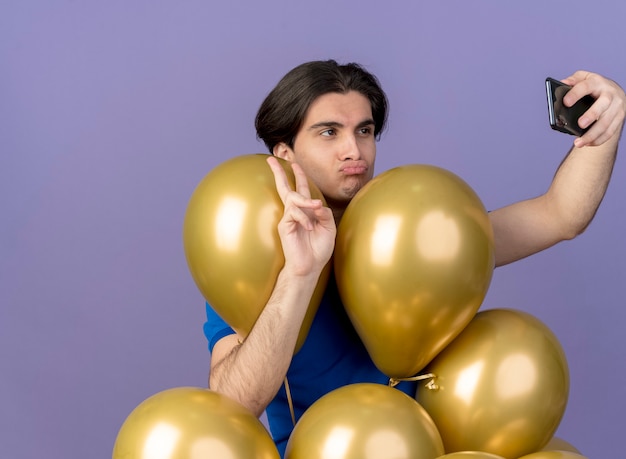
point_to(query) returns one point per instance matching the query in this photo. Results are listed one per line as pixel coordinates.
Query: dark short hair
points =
(282, 113)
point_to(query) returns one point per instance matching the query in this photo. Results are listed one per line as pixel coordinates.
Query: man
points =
(325, 119)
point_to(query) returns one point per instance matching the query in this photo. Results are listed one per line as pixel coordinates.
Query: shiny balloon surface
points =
(558, 444)
(501, 386)
(190, 423)
(364, 421)
(470, 455)
(554, 455)
(231, 240)
(413, 260)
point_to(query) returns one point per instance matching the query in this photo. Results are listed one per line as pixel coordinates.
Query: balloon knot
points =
(393, 382)
(432, 385)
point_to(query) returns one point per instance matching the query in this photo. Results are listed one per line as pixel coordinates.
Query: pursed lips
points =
(354, 168)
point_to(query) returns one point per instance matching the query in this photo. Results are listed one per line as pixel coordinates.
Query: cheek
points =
(315, 173)
(368, 148)
(322, 180)
(371, 153)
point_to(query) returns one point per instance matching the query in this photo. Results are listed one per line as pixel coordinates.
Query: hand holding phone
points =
(562, 118)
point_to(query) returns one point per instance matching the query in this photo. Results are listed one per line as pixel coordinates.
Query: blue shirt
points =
(332, 356)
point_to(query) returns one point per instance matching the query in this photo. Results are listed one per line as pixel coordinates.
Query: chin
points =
(351, 189)
(348, 193)
(340, 199)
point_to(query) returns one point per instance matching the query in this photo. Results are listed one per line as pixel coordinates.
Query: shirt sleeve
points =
(215, 328)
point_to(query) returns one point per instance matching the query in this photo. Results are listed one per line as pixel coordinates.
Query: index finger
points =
(583, 84)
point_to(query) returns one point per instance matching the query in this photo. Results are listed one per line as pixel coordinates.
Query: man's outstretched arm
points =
(579, 185)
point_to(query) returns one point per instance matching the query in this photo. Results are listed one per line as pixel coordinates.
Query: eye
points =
(365, 130)
(328, 132)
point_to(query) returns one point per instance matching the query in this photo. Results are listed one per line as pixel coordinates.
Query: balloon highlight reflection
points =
(413, 261)
(189, 422)
(365, 421)
(501, 386)
(231, 240)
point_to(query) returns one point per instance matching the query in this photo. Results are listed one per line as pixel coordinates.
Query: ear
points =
(283, 151)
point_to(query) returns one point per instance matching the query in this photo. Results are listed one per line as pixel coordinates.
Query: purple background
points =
(112, 112)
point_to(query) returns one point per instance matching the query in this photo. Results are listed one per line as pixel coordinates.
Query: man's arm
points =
(569, 205)
(252, 370)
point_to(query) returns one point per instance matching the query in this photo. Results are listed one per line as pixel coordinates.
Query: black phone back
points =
(562, 118)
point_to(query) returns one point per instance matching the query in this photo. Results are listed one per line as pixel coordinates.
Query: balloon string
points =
(393, 382)
(290, 402)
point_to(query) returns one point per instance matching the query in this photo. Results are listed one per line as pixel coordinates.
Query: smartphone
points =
(562, 118)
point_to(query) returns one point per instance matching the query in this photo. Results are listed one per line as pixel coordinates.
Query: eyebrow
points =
(336, 124)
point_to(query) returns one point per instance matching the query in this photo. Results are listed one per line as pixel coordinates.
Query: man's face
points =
(336, 146)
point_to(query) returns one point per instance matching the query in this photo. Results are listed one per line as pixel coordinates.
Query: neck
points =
(337, 214)
(337, 208)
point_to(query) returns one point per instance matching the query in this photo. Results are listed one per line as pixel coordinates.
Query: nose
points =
(350, 148)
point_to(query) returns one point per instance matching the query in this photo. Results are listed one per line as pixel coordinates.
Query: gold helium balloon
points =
(554, 455)
(558, 444)
(500, 387)
(231, 240)
(470, 455)
(413, 261)
(190, 422)
(364, 421)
